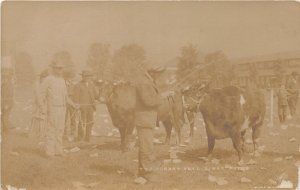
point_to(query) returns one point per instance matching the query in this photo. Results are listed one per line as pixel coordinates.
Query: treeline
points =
(214, 66)
(114, 65)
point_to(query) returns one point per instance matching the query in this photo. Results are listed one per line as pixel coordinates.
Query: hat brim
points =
(156, 71)
(86, 75)
(57, 66)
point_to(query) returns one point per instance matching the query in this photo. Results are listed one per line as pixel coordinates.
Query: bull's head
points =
(108, 88)
(104, 89)
(194, 95)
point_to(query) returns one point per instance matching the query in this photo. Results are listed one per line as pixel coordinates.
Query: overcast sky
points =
(239, 29)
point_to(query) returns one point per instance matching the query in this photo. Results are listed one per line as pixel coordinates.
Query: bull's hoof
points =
(209, 157)
(124, 149)
(241, 163)
(167, 142)
(256, 153)
(245, 150)
(182, 145)
(188, 141)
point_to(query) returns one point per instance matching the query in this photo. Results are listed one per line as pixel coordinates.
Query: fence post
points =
(271, 108)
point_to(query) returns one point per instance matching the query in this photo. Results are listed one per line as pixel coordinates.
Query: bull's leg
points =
(157, 123)
(211, 144)
(236, 141)
(168, 127)
(255, 137)
(129, 137)
(178, 135)
(122, 135)
(243, 140)
(191, 118)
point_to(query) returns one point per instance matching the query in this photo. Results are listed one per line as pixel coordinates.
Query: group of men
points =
(60, 100)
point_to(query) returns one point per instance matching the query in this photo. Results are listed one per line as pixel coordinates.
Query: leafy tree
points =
(187, 61)
(128, 62)
(219, 67)
(98, 58)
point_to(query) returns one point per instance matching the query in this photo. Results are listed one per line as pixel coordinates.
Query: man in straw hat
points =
(85, 95)
(293, 93)
(53, 94)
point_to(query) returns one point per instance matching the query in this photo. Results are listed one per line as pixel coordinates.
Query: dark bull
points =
(228, 112)
(120, 99)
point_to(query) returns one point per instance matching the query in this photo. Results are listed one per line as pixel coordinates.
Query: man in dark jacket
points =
(148, 100)
(85, 95)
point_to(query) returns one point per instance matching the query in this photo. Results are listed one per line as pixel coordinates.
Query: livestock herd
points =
(227, 112)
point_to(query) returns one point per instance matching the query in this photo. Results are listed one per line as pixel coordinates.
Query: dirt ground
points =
(101, 164)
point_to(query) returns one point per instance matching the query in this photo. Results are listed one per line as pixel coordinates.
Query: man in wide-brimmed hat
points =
(53, 94)
(293, 92)
(85, 95)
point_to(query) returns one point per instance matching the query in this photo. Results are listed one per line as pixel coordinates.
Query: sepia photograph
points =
(150, 95)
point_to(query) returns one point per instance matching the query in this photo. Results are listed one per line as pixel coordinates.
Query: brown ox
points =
(120, 99)
(229, 111)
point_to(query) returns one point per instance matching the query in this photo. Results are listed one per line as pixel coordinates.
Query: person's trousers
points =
(70, 128)
(145, 123)
(86, 123)
(282, 113)
(55, 130)
(292, 101)
(146, 149)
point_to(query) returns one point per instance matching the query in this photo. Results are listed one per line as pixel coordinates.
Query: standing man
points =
(7, 101)
(293, 93)
(282, 105)
(148, 100)
(53, 94)
(85, 95)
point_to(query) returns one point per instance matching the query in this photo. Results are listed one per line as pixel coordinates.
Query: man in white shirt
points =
(53, 94)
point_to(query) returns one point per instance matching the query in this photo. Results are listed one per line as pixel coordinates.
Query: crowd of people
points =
(57, 101)
(63, 108)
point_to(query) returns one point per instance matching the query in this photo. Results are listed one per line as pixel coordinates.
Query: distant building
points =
(268, 68)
